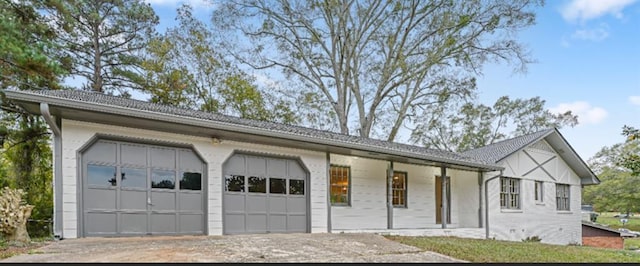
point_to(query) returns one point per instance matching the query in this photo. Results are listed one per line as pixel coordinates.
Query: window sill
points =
(510, 211)
(540, 203)
(564, 212)
(341, 206)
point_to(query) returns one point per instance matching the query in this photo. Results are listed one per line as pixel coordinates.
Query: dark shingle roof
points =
(497, 151)
(102, 99)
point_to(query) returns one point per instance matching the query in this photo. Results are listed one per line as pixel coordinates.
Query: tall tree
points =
(459, 128)
(618, 189)
(106, 40)
(376, 60)
(631, 160)
(29, 59)
(183, 67)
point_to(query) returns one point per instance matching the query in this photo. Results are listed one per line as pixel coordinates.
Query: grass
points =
(607, 218)
(486, 250)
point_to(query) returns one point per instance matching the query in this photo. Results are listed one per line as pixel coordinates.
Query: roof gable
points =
(498, 151)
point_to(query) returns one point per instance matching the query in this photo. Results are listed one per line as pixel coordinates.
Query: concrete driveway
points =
(238, 248)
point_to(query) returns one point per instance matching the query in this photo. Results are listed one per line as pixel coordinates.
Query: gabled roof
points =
(497, 151)
(76, 100)
(500, 150)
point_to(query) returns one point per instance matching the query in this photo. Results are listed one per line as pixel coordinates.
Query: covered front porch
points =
(404, 198)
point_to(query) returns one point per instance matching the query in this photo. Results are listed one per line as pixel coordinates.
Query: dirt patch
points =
(7, 250)
(241, 248)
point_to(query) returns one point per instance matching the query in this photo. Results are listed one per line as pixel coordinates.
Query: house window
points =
(538, 192)
(509, 193)
(562, 197)
(340, 185)
(399, 186)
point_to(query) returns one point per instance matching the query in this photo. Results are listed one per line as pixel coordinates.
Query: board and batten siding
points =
(368, 209)
(540, 219)
(75, 134)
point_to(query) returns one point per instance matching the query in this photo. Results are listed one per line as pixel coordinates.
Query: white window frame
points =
(538, 191)
(510, 193)
(563, 197)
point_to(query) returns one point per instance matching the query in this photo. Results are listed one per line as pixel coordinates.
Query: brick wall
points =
(603, 241)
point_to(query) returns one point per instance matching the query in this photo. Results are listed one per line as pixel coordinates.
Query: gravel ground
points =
(239, 248)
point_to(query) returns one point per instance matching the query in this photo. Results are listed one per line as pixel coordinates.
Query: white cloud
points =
(596, 34)
(586, 113)
(584, 10)
(635, 100)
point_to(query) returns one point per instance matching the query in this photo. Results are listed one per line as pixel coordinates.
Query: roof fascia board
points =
(124, 111)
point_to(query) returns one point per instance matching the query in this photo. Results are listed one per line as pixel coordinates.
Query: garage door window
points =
(101, 175)
(191, 181)
(133, 177)
(257, 184)
(234, 183)
(296, 187)
(163, 179)
(277, 186)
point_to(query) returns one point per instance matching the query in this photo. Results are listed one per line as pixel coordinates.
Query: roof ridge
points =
(511, 139)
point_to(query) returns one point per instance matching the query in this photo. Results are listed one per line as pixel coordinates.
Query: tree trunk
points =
(20, 233)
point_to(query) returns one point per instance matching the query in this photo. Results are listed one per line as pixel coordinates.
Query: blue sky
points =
(588, 61)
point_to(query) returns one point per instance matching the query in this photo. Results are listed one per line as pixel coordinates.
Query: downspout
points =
(390, 196)
(57, 169)
(486, 203)
(444, 211)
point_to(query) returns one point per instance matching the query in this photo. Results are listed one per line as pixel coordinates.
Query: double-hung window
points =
(340, 185)
(399, 186)
(539, 196)
(562, 197)
(509, 193)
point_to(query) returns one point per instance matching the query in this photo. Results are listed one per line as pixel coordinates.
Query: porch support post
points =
(390, 196)
(328, 169)
(479, 199)
(443, 211)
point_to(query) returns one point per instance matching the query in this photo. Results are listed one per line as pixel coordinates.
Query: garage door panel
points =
(277, 222)
(257, 223)
(163, 222)
(137, 193)
(189, 160)
(277, 204)
(234, 202)
(191, 223)
(101, 223)
(190, 202)
(101, 199)
(296, 171)
(256, 166)
(234, 223)
(256, 204)
(133, 154)
(275, 192)
(163, 201)
(133, 200)
(276, 167)
(296, 205)
(163, 158)
(297, 223)
(133, 223)
(101, 152)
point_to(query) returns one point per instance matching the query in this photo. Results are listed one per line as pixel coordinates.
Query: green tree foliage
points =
(618, 190)
(459, 128)
(375, 64)
(631, 160)
(104, 39)
(184, 68)
(29, 58)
